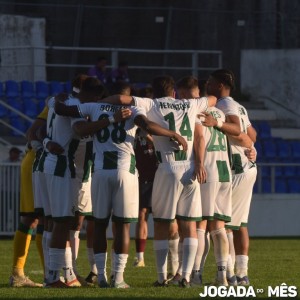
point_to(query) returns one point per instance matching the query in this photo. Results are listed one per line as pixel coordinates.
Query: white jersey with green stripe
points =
(59, 130)
(229, 106)
(113, 145)
(177, 115)
(83, 156)
(216, 159)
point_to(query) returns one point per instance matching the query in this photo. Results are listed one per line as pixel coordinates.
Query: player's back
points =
(216, 160)
(231, 107)
(113, 145)
(59, 130)
(179, 116)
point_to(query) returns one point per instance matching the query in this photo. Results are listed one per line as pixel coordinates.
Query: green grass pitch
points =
(272, 262)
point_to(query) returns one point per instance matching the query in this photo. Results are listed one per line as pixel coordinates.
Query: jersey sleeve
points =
(247, 121)
(145, 103)
(86, 109)
(202, 104)
(228, 107)
(51, 102)
(72, 101)
(136, 111)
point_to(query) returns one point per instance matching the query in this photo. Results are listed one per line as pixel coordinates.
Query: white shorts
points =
(40, 193)
(175, 194)
(216, 201)
(242, 188)
(115, 192)
(62, 193)
(84, 203)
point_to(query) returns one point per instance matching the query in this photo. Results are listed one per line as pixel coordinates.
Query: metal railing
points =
(34, 59)
(9, 197)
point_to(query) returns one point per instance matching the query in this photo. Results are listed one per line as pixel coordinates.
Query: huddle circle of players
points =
(189, 160)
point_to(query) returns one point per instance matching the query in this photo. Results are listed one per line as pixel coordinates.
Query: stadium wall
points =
(273, 74)
(22, 63)
(271, 215)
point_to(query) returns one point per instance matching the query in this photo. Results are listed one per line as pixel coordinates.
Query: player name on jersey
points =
(177, 106)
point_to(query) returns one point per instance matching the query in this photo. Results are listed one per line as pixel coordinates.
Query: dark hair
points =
(146, 92)
(163, 86)
(93, 85)
(224, 76)
(14, 149)
(119, 87)
(78, 80)
(188, 82)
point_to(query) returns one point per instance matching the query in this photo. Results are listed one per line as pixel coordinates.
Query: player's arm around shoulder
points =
(155, 129)
(83, 128)
(65, 110)
(118, 100)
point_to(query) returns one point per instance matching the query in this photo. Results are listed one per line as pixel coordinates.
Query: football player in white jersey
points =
(114, 183)
(212, 169)
(220, 84)
(175, 192)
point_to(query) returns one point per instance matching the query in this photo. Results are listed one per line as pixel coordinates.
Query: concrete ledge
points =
(261, 114)
(274, 215)
(286, 133)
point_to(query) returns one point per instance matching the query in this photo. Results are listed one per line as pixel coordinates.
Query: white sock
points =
(140, 255)
(112, 262)
(190, 246)
(91, 259)
(46, 253)
(200, 249)
(56, 263)
(242, 265)
(231, 247)
(69, 273)
(101, 259)
(161, 249)
(74, 243)
(229, 268)
(120, 264)
(173, 255)
(180, 253)
(206, 251)
(221, 251)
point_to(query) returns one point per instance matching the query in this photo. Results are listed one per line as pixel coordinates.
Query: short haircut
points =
(163, 86)
(146, 92)
(94, 86)
(224, 76)
(78, 80)
(120, 87)
(187, 82)
(14, 150)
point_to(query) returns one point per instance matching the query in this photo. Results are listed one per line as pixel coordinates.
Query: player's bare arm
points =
(199, 149)
(68, 111)
(83, 128)
(54, 148)
(230, 127)
(155, 129)
(242, 140)
(252, 133)
(118, 100)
